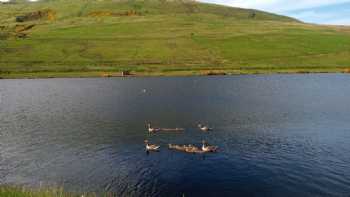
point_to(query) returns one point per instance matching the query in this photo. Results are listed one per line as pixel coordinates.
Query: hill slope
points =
(159, 37)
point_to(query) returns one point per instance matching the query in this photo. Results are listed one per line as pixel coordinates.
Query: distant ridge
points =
(160, 37)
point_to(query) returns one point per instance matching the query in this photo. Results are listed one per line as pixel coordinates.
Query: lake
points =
(278, 135)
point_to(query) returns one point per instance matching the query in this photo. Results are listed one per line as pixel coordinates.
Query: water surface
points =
(279, 135)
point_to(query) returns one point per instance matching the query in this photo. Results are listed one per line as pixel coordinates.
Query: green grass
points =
(6, 191)
(167, 38)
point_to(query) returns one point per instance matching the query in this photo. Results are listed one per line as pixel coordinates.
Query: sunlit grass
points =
(168, 38)
(6, 191)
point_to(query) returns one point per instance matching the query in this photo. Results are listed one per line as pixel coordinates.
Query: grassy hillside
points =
(159, 37)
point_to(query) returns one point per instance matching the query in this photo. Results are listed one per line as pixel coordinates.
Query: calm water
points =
(279, 135)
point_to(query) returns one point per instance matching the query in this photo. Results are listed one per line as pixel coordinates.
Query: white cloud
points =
(339, 22)
(306, 10)
(313, 14)
(278, 5)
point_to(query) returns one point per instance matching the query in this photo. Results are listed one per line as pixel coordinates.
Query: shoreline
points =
(17, 191)
(189, 73)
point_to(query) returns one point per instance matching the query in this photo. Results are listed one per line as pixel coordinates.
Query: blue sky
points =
(336, 12)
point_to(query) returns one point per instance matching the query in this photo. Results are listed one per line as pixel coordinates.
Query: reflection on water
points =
(280, 135)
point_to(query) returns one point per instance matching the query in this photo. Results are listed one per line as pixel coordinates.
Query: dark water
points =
(279, 135)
